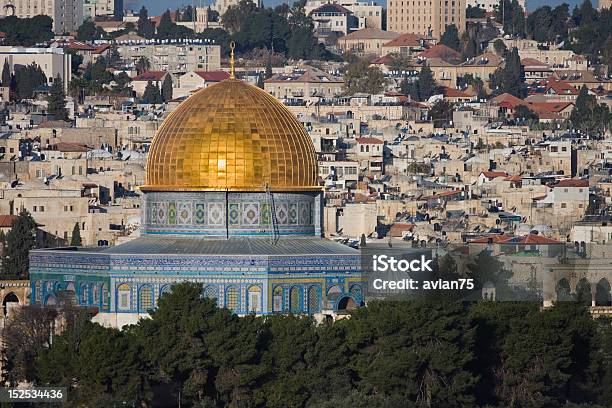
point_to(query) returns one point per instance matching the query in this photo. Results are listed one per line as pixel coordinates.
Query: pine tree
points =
(152, 94)
(166, 89)
(6, 74)
(57, 100)
(19, 241)
(75, 240)
(450, 38)
(426, 84)
(146, 28)
(510, 78)
(2, 248)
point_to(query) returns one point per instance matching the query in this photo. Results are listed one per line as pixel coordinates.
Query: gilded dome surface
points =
(231, 136)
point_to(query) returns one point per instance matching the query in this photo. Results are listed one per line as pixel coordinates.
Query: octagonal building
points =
(231, 202)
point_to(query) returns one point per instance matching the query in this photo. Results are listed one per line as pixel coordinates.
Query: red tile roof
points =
(405, 40)
(507, 100)
(494, 174)
(213, 76)
(6, 221)
(101, 48)
(80, 46)
(560, 87)
(531, 239)
(571, 183)
(440, 51)
(493, 238)
(399, 228)
(516, 177)
(455, 93)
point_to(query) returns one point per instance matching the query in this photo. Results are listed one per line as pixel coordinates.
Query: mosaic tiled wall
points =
(221, 214)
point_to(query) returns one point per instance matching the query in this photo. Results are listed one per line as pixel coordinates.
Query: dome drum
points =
(229, 214)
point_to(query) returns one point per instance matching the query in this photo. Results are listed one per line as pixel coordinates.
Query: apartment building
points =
(67, 15)
(53, 61)
(175, 58)
(490, 5)
(425, 17)
(369, 14)
(102, 8)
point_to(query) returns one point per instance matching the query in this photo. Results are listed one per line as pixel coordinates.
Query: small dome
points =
(231, 136)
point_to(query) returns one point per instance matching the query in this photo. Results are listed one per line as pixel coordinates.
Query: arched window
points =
(211, 292)
(277, 301)
(313, 300)
(294, 300)
(355, 291)
(123, 295)
(164, 289)
(231, 298)
(254, 299)
(145, 299)
(105, 297)
(84, 294)
(95, 295)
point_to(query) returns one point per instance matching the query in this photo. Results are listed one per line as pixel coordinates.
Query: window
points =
(95, 292)
(294, 300)
(254, 299)
(104, 295)
(277, 300)
(123, 292)
(211, 292)
(231, 298)
(84, 294)
(313, 300)
(563, 205)
(145, 300)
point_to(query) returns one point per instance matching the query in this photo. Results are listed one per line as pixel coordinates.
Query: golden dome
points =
(231, 136)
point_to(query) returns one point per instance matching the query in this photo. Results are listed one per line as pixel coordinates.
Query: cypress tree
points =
(166, 89)
(152, 94)
(426, 84)
(6, 74)
(19, 241)
(75, 240)
(57, 100)
(450, 38)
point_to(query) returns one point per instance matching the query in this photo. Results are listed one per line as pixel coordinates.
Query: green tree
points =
(143, 65)
(27, 79)
(88, 31)
(486, 268)
(499, 46)
(360, 77)
(450, 38)
(75, 240)
(400, 63)
(441, 113)
(6, 74)
(167, 29)
(152, 94)
(57, 100)
(523, 113)
(19, 241)
(146, 28)
(26, 31)
(511, 77)
(421, 89)
(474, 12)
(167, 88)
(512, 16)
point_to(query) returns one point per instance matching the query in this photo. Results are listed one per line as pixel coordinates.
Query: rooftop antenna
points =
(232, 45)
